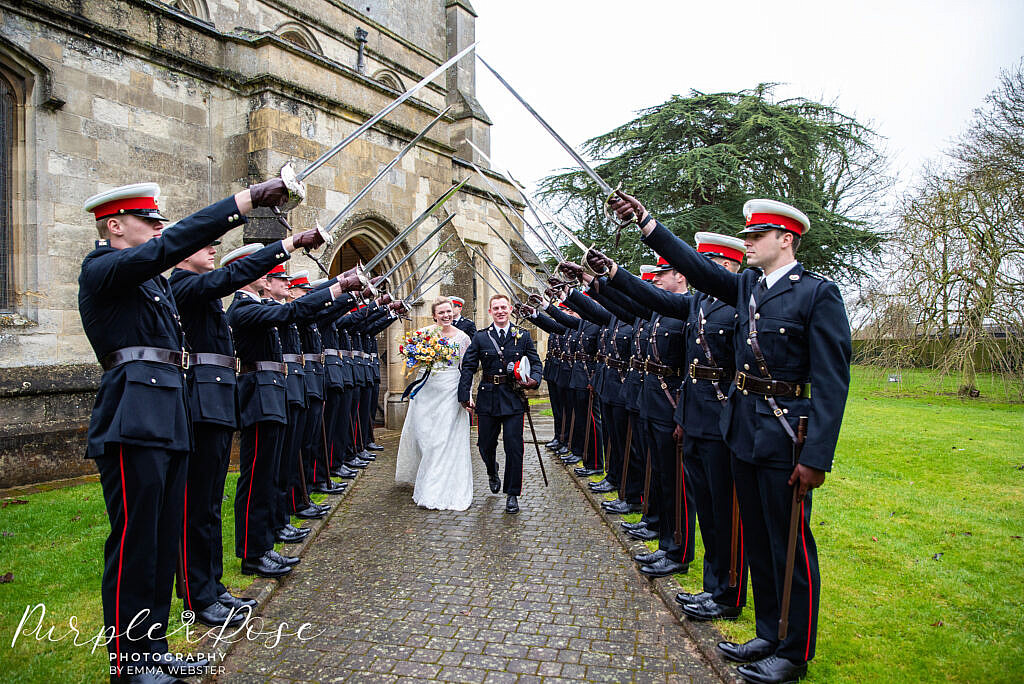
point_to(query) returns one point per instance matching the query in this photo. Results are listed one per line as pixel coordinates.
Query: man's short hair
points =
(490, 302)
(796, 239)
(101, 227)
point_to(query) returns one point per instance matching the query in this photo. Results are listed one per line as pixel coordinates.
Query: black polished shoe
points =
(684, 597)
(562, 450)
(281, 559)
(642, 533)
(366, 456)
(603, 487)
(772, 670)
(621, 507)
(283, 536)
(512, 504)
(356, 463)
(344, 472)
(217, 614)
(310, 512)
(586, 472)
(569, 459)
(373, 446)
(642, 524)
(264, 566)
(748, 652)
(708, 610)
(236, 602)
(494, 482)
(304, 531)
(664, 566)
(648, 558)
(177, 667)
(327, 487)
(553, 445)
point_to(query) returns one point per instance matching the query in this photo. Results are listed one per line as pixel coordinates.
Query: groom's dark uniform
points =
(498, 407)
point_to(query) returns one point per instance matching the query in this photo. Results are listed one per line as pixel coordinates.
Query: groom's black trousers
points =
(511, 429)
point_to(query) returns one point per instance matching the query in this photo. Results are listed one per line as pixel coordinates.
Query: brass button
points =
(218, 378)
(153, 380)
(785, 410)
(745, 392)
(782, 330)
(156, 299)
(746, 366)
(757, 316)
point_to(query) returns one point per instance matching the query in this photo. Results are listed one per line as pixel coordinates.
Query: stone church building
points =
(205, 97)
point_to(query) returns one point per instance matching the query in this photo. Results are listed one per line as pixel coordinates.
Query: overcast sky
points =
(914, 70)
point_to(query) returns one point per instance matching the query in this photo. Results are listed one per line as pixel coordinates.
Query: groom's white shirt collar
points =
(505, 330)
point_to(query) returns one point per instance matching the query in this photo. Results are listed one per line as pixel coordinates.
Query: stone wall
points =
(119, 91)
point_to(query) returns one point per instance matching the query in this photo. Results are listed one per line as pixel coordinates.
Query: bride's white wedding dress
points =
(434, 452)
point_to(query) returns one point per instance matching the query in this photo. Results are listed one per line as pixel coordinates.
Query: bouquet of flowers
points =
(428, 348)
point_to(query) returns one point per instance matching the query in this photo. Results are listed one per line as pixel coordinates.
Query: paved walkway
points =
(406, 594)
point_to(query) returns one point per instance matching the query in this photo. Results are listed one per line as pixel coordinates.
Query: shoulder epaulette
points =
(817, 275)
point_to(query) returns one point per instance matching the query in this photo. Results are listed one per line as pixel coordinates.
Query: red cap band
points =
(647, 276)
(777, 219)
(295, 282)
(125, 205)
(279, 268)
(728, 252)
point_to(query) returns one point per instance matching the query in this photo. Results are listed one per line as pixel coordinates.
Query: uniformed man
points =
(139, 434)
(792, 333)
(198, 288)
(498, 407)
(464, 324)
(263, 401)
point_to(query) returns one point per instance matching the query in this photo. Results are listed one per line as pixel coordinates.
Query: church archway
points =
(359, 243)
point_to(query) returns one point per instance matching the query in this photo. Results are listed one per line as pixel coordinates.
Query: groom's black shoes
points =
(512, 504)
(494, 482)
(373, 446)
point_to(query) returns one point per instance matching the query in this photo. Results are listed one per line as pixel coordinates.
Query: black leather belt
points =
(700, 372)
(601, 358)
(636, 364)
(276, 366)
(771, 388)
(292, 358)
(498, 379)
(579, 356)
(615, 363)
(177, 358)
(660, 369)
(211, 359)
(314, 357)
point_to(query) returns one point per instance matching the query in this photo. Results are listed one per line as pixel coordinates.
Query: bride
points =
(434, 451)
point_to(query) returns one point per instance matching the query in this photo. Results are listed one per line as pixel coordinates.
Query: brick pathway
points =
(405, 594)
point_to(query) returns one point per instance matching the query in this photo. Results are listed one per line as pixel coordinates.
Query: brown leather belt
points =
(660, 369)
(314, 357)
(498, 379)
(771, 388)
(700, 372)
(601, 358)
(636, 364)
(247, 367)
(177, 358)
(580, 356)
(211, 359)
(615, 363)
(292, 358)
(565, 356)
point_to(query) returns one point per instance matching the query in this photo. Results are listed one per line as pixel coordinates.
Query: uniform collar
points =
(777, 275)
(250, 295)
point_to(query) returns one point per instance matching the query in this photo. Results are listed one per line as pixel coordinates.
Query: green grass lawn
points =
(919, 529)
(53, 547)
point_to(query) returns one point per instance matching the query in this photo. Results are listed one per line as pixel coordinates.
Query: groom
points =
(500, 409)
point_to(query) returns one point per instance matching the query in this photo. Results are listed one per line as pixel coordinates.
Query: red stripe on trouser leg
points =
(741, 590)
(248, 499)
(810, 589)
(686, 513)
(120, 563)
(184, 547)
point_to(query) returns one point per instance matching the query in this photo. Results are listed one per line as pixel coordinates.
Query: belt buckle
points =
(741, 380)
(798, 390)
(238, 365)
(184, 359)
(777, 411)
(693, 369)
(323, 358)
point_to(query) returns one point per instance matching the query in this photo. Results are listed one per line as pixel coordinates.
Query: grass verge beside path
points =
(919, 529)
(52, 544)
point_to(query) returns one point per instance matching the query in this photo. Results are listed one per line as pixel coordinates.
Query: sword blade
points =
(381, 174)
(322, 159)
(507, 279)
(601, 183)
(420, 244)
(425, 264)
(414, 225)
(515, 253)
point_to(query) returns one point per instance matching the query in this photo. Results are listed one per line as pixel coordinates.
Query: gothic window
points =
(299, 35)
(8, 131)
(390, 79)
(196, 8)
